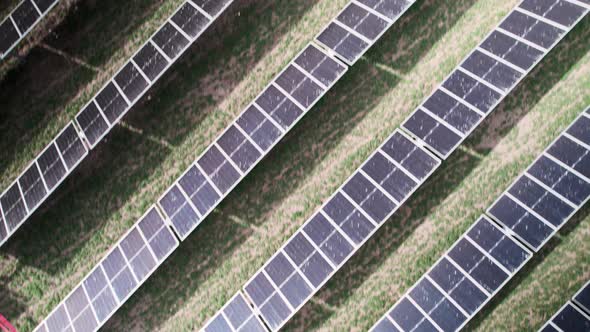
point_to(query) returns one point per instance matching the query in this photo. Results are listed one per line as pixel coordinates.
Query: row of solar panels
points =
(22, 20)
(574, 316)
(490, 253)
(390, 175)
(212, 176)
(104, 111)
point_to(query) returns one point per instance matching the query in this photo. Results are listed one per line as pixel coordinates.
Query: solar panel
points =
(553, 188)
(490, 72)
(237, 315)
(105, 110)
(460, 283)
(245, 142)
(330, 237)
(359, 26)
(20, 21)
(582, 298)
(568, 319)
(40, 179)
(106, 288)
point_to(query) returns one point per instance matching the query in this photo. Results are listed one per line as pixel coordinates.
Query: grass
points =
(201, 95)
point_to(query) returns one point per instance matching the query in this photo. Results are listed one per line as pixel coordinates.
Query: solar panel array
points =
(574, 316)
(390, 175)
(484, 259)
(101, 114)
(289, 96)
(145, 246)
(21, 20)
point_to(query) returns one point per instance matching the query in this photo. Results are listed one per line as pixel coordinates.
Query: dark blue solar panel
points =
(92, 123)
(406, 153)
(567, 184)
(528, 227)
(219, 169)
(360, 20)
(511, 50)
(32, 187)
(432, 132)
(562, 12)
(531, 29)
(572, 154)
(190, 20)
(459, 287)
(321, 66)
(473, 92)
(547, 205)
(262, 131)
(452, 111)
(179, 211)
(492, 71)
(199, 190)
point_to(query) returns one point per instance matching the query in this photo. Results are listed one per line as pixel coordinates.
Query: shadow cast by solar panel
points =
(45, 84)
(532, 265)
(453, 171)
(284, 169)
(14, 304)
(128, 160)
